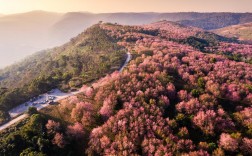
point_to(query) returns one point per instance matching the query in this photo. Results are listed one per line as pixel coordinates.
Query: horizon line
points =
(121, 12)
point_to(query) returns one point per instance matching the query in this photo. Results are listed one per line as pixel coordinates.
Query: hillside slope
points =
(85, 58)
(241, 31)
(210, 21)
(180, 95)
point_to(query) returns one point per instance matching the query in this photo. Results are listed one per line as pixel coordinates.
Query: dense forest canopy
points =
(185, 92)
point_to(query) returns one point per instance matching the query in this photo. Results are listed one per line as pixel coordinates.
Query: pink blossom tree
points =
(228, 143)
(76, 131)
(59, 140)
(52, 127)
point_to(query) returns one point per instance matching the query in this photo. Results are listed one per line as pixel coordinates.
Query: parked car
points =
(51, 102)
(49, 92)
(51, 97)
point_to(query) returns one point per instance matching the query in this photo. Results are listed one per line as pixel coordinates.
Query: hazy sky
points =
(97, 6)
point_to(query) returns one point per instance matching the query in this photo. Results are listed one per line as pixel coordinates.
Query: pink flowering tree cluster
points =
(210, 121)
(239, 52)
(54, 129)
(107, 110)
(59, 140)
(170, 99)
(244, 118)
(131, 127)
(83, 113)
(76, 131)
(61, 136)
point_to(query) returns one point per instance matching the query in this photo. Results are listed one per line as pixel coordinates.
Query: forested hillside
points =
(182, 94)
(90, 55)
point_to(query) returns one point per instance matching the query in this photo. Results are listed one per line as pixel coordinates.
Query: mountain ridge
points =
(38, 33)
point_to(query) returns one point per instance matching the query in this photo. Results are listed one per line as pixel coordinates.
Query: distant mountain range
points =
(25, 33)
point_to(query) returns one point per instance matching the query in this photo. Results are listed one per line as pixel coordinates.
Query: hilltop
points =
(25, 33)
(186, 91)
(205, 21)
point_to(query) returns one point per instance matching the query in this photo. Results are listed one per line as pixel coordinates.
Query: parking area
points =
(39, 102)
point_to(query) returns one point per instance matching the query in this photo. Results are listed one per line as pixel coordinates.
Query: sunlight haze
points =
(101, 6)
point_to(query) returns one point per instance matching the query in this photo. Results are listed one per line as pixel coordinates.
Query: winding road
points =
(129, 57)
(18, 113)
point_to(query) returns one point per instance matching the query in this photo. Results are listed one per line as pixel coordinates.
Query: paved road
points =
(21, 109)
(126, 62)
(13, 121)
